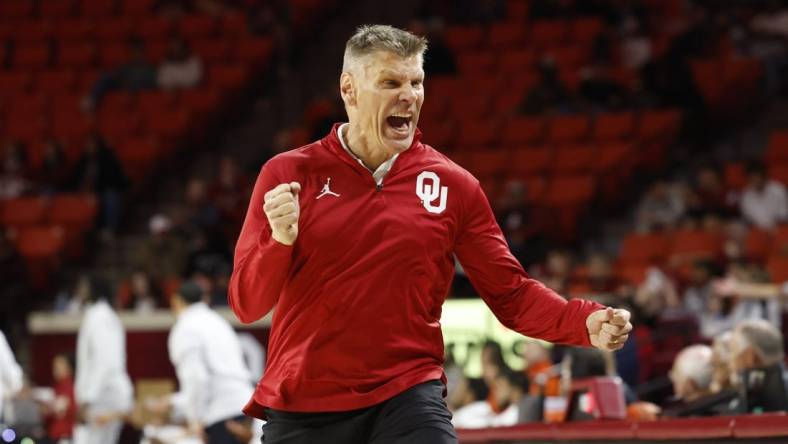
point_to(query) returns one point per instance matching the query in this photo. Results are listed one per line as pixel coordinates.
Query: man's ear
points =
(347, 89)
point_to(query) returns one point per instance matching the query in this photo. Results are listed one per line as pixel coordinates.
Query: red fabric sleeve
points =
(518, 301)
(261, 264)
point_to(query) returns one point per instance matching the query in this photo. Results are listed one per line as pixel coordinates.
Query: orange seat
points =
(735, 176)
(573, 159)
(530, 161)
(474, 62)
(779, 172)
(547, 33)
(613, 126)
(31, 56)
(39, 242)
(509, 101)
(114, 30)
(486, 163)
(56, 9)
(463, 37)
(477, 133)
(196, 25)
(778, 269)
(73, 211)
(758, 245)
(55, 81)
(585, 30)
(97, 8)
(516, 62)
(613, 156)
(634, 273)
(644, 248)
(254, 52)
(777, 149)
(201, 101)
(73, 30)
(693, 244)
(659, 125)
(505, 35)
(151, 102)
(228, 77)
(76, 55)
(523, 130)
(212, 50)
(23, 211)
(572, 190)
(568, 129)
(170, 125)
(138, 155)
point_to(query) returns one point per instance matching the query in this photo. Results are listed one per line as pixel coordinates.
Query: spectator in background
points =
(600, 276)
(764, 202)
(13, 176)
(720, 358)
(713, 197)
(60, 414)
(180, 69)
(692, 373)
(229, 193)
(510, 394)
(99, 171)
(11, 377)
(549, 94)
(660, 208)
(136, 74)
(143, 295)
(517, 225)
(757, 366)
(557, 271)
(54, 174)
(15, 289)
(162, 254)
(470, 406)
(103, 389)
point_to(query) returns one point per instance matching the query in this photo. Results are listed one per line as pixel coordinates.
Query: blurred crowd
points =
(741, 371)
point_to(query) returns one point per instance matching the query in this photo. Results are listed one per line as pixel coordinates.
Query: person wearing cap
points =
(213, 378)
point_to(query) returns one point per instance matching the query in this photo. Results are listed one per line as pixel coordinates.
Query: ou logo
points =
(429, 189)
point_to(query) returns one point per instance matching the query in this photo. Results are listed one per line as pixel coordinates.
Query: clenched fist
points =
(282, 210)
(609, 329)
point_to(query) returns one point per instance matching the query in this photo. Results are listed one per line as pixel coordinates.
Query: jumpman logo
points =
(327, 190)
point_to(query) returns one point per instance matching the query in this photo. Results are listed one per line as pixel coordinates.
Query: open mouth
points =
(400, 122)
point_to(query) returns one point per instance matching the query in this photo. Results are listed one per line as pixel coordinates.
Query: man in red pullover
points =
(353, 238)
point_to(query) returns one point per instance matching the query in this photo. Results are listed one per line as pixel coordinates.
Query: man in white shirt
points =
(764, 202)
(10, 374)
(103, 389)
(214, 381)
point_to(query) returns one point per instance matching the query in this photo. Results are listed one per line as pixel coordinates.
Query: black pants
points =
(217, 433)
(416, 416)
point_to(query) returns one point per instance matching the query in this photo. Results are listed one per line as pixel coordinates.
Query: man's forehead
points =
(389, 63)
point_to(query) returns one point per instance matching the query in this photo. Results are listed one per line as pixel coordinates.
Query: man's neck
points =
(371, 157)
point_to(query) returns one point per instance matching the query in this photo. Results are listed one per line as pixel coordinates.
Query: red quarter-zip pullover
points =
(358, 296)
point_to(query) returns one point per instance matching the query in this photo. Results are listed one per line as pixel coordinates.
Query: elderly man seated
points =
(757, 366)
(691, 374)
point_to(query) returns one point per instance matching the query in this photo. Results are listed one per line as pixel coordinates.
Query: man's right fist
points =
(282, 209)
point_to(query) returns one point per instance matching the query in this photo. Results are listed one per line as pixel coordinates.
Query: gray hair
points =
(694, 363)
(371, 38)
(764, 338)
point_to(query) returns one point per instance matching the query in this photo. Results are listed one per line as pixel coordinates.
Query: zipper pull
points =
(378, 187)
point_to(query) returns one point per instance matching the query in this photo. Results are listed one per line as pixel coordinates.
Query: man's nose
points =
(408, 94)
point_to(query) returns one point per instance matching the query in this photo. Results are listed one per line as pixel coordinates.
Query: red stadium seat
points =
(97, 8)
(228, 77)
(507, 103)
(441, 135)
(76, 55)
(530, 161)
(233, 23)
(476, 62)
(573, 159)
(691, 244)
(255, 52)
(87, 79)
(659, 124)
(113, 54)
(73, 211)
(153, 27)
(464, 37)
(32, 56)
(117, 127)
(39, 242)
(568, 129)
(478, 133)
(56, 9)
(568, 57)
(73, 30)
(25, 126)
(523, 130)
(137, 155)
(777, 149)
(779, 172)
(169, 125)
(758, 244)
(197, 26)
(777, 266)
(212, 50)
(634, 273)
(201, 101)
(138, 8)
(585, 30)
(16, 10)
(14, 82)
(154, 101)
(156, 49)
(471, 105)
(614, 156)
(505, 35)
(119, 102)
(780, 240)
(644, 248)
(55, 81)
(570, 190)
(487, 163)
(23, 212)
(517, 62)
(114, 30)
(735, 176)
(547, 33)
(613, 126)
(36, 32)
(71, 126)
